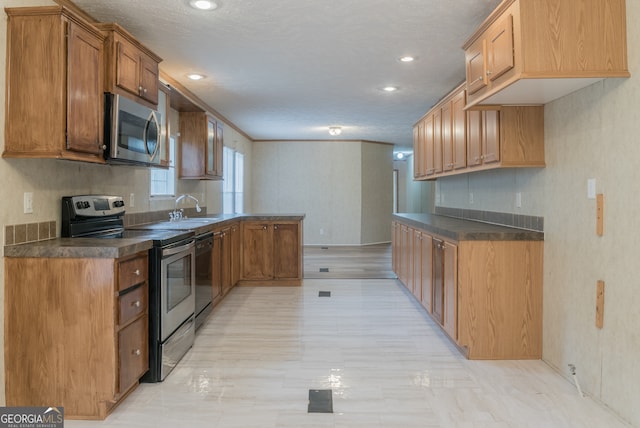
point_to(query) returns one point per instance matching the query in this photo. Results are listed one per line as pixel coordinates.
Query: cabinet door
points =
(500, 48)
(84, 91)
(236, 246)
(225, 268)
(446, 137)
(133, 350)
(474, 137)
(148, 84)
(426, 263)
(416, 287)
(459, 131)
(475, 58)
(286, 251)
(490, 136)
(257, 255)
(210, 165)
(437, 141)
(219, 147)
(438, 280)
(127, 67)
(164, 108)
(418, 168)
(450, 290)
(428, 146)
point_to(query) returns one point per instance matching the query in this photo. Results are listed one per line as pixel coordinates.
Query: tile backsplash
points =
(506, 219)
(29, 232)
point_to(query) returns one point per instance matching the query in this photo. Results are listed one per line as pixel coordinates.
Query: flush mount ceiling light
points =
(390, 88)
(196, 76)
(407, 58)
(203, 4)
(335, 130)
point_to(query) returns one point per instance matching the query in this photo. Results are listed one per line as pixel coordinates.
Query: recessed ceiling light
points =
(196, 76)
(407, 58)
(390, 88)
(203, 4)
(335, 130)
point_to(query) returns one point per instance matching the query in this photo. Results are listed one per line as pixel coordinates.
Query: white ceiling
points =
(289, 69)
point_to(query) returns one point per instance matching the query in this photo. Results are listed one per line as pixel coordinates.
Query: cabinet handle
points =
(488, 72)
(275, 227)
(136, 352)
(136, 303)
(137, 272)
(479, 79)
(264, 227)
(104, 147)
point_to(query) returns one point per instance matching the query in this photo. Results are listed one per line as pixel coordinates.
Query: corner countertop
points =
(121, 247)
(467, 230)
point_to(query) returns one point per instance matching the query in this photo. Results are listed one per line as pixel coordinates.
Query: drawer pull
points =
(136, 303)
(136, 352)
(137, 272)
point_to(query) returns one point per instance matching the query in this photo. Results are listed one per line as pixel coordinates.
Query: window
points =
(233, 185)
(163, 181)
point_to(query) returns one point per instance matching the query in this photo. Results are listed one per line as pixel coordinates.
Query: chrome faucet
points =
(178, 214)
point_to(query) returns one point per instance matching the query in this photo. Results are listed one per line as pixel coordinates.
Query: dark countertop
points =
(79, 248)
(467, 230)
(118, 247)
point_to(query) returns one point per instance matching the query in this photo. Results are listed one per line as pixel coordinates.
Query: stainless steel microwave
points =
(132, 132)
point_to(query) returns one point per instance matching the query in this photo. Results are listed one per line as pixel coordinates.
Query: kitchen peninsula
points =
(77, 309)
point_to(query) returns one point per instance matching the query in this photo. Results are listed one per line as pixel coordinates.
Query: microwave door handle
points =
(152, 120)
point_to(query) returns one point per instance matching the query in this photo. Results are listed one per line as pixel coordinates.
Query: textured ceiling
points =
(289, 69)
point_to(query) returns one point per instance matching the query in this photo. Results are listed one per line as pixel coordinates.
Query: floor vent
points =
(324, 269)
(324, 294)
(320, 401)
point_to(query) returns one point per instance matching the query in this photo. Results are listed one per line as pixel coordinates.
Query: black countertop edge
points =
(466, 230)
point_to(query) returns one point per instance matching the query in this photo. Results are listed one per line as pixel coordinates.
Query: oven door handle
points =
(176, 250)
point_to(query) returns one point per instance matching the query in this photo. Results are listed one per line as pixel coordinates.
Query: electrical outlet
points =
(471, 198)
(518, 200)
(28, 202)
(132, 200)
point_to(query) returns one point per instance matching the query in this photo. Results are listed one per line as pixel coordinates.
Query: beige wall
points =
(322, 179)
(376, 193)
(592, 133)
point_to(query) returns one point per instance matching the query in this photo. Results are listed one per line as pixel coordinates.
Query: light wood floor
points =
(348, 262)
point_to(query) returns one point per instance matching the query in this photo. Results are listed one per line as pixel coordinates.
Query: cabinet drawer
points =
(132, 272)
(133, 349)
(132, 304)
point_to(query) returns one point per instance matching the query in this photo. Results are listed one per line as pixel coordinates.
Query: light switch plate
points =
(591, 188)
(28, 202)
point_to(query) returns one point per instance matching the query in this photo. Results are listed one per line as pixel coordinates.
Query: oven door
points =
(177, 287)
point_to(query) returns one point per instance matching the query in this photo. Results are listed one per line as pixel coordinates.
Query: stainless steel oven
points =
(172, 279)
(176, 281)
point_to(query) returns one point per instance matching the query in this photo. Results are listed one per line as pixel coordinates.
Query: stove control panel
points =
(93, 205)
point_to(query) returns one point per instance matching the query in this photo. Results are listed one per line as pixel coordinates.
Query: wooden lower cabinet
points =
(76, 332)
(486, 295)
(271, 253)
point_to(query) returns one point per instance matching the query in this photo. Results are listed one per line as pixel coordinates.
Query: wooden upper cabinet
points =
(518, 55)
(53, 55)
(131, 68)
(482, 137)
(201, 146)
